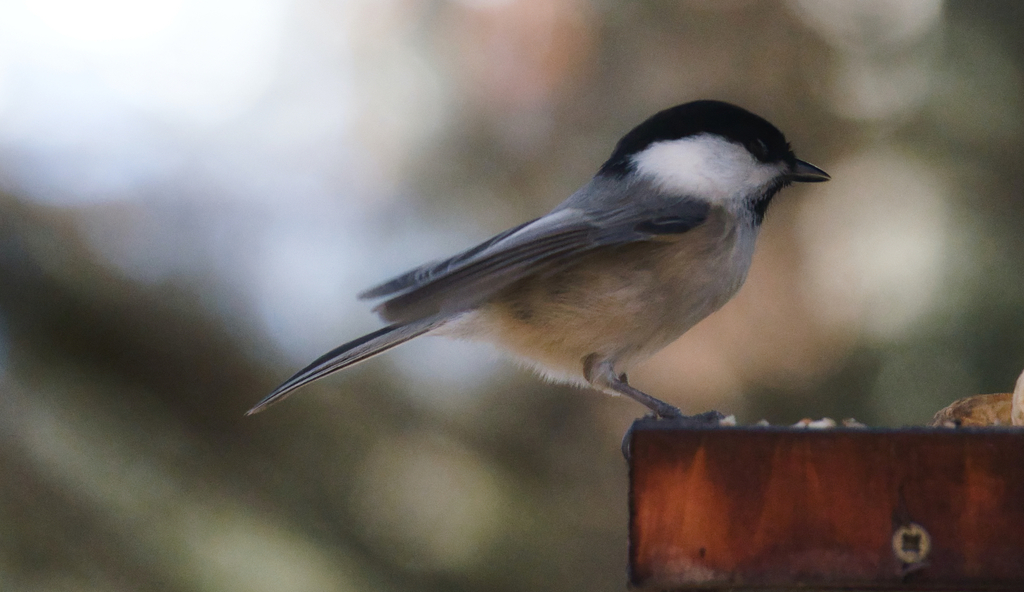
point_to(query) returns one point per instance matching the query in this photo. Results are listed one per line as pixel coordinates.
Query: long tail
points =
(348, 354)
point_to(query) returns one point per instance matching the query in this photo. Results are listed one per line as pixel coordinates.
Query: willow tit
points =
(660, 238)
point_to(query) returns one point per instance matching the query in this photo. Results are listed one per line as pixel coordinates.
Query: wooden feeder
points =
(845, 508)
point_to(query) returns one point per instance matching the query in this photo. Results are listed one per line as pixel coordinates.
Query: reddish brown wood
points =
(777, 507)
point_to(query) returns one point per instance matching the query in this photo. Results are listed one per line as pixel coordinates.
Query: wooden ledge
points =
(784, 508)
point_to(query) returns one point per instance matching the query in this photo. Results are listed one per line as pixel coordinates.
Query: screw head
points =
(911, 543)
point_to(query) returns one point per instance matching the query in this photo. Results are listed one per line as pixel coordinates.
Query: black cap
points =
(764, 141)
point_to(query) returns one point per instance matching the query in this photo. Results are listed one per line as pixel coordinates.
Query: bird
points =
(661, 237)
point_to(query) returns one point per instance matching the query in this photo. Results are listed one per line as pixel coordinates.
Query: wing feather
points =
(424, 273)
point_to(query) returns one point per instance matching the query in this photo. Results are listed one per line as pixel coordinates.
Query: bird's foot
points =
(701, 420)
(678, 421)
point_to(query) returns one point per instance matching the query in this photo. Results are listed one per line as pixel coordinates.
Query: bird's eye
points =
(759, 149)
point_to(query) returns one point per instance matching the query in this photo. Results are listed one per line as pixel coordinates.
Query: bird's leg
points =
(603, 376)
(659, 407)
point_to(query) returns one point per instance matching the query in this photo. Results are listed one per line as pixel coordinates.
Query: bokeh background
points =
(193, 191)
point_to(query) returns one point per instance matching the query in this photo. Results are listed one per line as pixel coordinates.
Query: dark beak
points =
(805, 172)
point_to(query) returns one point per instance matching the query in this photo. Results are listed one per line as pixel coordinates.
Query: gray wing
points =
(546, 243)
(423, 273)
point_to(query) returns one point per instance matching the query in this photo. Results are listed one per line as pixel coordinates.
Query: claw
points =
(677, 422)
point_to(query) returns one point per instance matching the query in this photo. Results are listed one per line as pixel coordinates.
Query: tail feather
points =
(346, 355)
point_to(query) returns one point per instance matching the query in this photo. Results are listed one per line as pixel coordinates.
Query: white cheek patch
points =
(707, 166)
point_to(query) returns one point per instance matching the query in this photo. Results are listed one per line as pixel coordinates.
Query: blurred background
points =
(192, 192)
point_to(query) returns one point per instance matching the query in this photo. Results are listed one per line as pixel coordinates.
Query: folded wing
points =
(547, 243)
